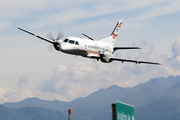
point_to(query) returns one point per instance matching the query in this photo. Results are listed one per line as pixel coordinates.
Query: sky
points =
(28, 69)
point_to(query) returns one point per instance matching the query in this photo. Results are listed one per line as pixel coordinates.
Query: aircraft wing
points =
(116, 48)
(42, 38)
(139, 62)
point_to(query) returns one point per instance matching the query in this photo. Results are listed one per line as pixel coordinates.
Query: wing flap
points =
(137, 62)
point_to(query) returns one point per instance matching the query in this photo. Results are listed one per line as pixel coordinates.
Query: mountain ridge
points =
(145, 97)
(101, 97)
(162, 109)
(30, 113)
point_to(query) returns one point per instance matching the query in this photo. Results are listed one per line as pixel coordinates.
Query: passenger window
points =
(71, 41)
(65, 40)
(77, 43)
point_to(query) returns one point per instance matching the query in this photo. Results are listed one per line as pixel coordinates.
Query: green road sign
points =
(124, 111)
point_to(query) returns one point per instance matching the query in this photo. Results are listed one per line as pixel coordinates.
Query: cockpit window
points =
(71, 41)
(65, 40)
(77, 43)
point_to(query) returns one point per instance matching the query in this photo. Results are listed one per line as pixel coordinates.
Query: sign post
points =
(113, 111)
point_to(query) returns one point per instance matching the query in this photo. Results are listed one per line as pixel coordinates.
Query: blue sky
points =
(29, 70)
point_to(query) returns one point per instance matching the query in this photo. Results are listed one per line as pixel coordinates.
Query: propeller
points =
(56, 43)
(50, 48)
(60, 35)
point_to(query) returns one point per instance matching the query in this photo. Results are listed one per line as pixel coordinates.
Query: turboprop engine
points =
(105, 57)
(56, 42)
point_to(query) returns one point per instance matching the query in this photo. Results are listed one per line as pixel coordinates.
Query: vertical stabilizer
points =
(112, 39)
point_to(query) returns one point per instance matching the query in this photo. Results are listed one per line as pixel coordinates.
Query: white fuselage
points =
(85, 47)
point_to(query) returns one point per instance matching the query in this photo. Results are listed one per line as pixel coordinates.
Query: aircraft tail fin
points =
(112, 39)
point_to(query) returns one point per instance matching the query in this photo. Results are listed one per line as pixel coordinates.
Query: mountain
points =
(172, 92)
(106, 96)
(162, 109)
(148, 94)
(7, 114)
(97, 99)
(36, 113)
(139, 96)
(102, 113)
(159, 83)
(98, 104)
(142, 97)
(52, 105)
(102, 97)
(30, 113)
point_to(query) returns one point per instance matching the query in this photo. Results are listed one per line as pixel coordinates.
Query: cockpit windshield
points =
(65, 40)
(71, 41)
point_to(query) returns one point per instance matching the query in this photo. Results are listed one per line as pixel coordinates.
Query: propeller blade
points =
(50, 36)
(60, 35)
(56, 42)
(50, 48)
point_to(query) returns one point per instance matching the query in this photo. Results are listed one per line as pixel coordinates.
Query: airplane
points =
(90, 48)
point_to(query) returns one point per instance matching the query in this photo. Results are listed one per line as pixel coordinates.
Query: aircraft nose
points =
(63, 47)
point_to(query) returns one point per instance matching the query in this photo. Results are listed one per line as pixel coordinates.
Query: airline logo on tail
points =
(114, 35)
(119, 25)
(117, 29)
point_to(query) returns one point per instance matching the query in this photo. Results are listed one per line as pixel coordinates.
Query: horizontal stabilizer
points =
(87, 36)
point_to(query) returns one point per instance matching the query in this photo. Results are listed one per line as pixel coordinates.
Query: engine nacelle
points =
(57, 45)
(105, 57)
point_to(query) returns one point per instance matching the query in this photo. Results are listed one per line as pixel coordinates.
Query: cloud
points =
(2, 91)
(40, 13)
(22, 81)
(82, 78)
(174, 61)
(15, 9)
(166, 7)
(176, 48)
(15, 95)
